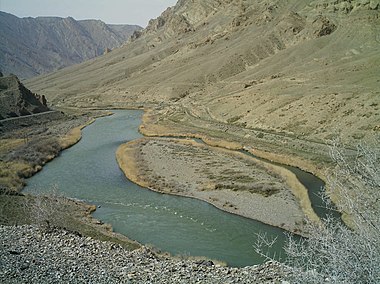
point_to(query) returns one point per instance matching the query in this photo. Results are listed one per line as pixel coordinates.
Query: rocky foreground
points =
(29, 256)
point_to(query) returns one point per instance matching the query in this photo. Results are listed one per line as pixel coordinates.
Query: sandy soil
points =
(231, 181)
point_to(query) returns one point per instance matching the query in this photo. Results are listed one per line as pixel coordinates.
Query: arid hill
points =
(283, 76)
(33, 46)
(16, 100)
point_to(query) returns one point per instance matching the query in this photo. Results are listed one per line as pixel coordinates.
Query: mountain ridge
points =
(34, 46)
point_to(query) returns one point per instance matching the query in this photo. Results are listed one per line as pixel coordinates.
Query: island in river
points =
(230, 180)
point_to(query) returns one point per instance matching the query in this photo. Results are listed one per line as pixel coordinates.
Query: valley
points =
(231, 92)
(284, 79)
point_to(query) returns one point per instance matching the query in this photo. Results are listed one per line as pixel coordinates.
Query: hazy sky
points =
(110, 11)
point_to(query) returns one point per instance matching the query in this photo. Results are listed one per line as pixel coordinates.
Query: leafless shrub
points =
(4, 205)
(36, 151)
(264, 244)
(42, 212)
(48, 210)
(335, 252)
(9, 204)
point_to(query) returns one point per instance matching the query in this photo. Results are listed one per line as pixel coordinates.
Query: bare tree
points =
(335, 252)
(48, 210)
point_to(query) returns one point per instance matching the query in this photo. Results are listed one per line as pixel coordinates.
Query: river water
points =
(181, 226)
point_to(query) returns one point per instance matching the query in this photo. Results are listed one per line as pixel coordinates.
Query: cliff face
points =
(16, 100)
(306, 69)
(33, 46)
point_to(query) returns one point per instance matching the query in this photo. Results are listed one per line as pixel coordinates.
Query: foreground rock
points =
(27, 256)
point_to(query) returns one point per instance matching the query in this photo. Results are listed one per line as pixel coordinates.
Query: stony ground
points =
(29, 256)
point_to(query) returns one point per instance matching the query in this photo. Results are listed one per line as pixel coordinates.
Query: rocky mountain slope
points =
(285, 76)
(33, 46)
(16, 100)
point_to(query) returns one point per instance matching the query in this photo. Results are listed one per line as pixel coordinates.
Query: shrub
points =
(46, 210)
(36, 151)
(335, 252)
(49, 210)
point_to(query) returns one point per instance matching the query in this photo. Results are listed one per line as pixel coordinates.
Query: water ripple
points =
(158, 208)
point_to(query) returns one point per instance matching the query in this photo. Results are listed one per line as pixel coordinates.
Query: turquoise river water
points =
(181, 226)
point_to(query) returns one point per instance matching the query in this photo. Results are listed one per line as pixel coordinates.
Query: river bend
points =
(181, 226)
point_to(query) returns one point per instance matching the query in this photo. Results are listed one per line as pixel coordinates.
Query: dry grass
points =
(21, 158)
(73, 136)
(9, 144)
(300, 192)
(126, 158)
(12, 174)
(230, 180)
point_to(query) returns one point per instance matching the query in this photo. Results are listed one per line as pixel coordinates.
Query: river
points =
(181, 226)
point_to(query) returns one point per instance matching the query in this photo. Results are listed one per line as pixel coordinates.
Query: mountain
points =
(16, 100)
(285, 73)
(33, 46)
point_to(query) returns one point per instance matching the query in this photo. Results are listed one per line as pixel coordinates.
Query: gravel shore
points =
(230, 180)
(29, 256)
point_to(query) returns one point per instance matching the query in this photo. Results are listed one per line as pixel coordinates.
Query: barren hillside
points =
(282, 76)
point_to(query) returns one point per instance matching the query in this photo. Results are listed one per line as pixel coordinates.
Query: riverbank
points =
(27, 147)
(52, 210)
(310, 156)
(280, 148)
(61, 256)
(226, 204)
(22, 158)
(231, 181)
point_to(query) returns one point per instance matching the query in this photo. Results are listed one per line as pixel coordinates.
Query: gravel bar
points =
(29, 256)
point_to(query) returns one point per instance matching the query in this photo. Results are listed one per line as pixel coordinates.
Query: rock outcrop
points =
(34, 46)
(16, 100)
